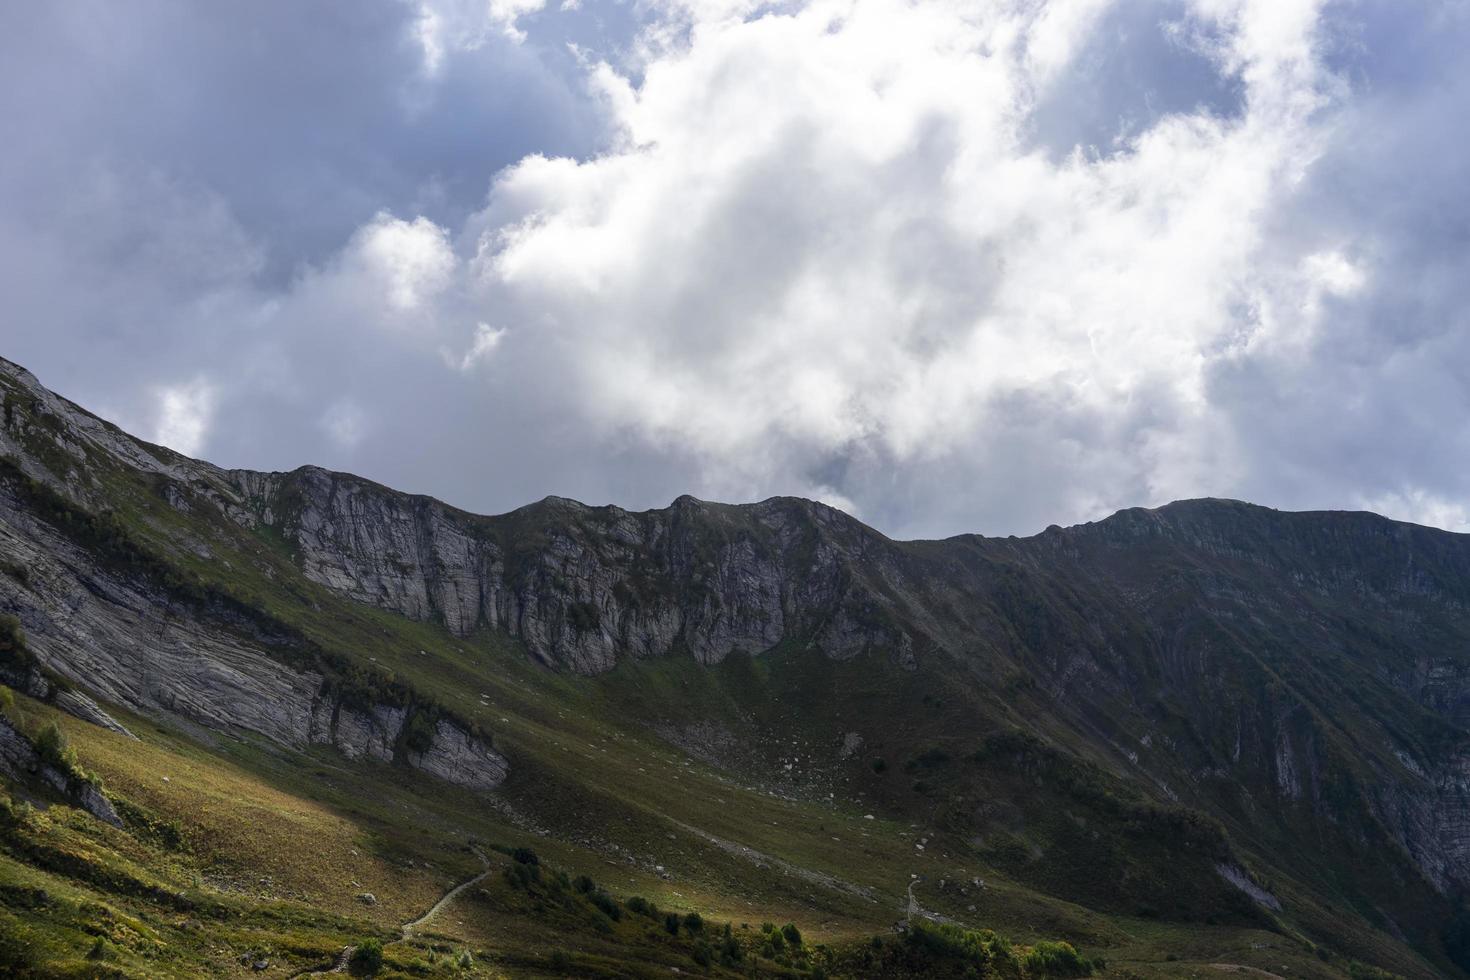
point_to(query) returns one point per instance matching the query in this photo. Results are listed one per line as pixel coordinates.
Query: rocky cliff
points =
(112, 623)
(583, 586)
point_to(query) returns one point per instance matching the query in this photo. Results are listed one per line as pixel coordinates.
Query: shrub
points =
(464, 960)
(671, 923)
(524, 855)
(1057, 959)
(583, 617)
(982, 949)
(693, 922)
(583, 884)
(792, 935)
(701, 953)
(606, 904)
(418, 733)
(522, 875)
(53, 747)
(12, 637)
(642, 906)
(879, 765)
(368, 956)
(730, 952)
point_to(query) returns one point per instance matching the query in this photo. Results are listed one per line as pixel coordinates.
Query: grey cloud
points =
(187, 183)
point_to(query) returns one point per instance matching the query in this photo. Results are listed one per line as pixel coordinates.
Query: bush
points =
(982, 949)
(418, 733)
(368, 956)
(642, 906)
(730, 952)
(583, 884)
(1057, 959)
(53, 747)
(693, 922)
(701, 953)
(671, 923)
(606, 904)
(792, 935)
(522, 875)
(524, 855)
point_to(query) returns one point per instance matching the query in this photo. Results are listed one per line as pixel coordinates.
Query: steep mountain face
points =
(1264, 630)
(118, 624)
(1303, 679)
(583, 586)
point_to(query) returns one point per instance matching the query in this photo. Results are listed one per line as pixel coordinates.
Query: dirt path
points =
(407, 929)
(449, 896)
(762, 860)
(917, 911)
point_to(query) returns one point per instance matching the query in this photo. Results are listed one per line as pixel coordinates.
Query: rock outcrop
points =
(583, 586)
(107, 633)
(20, 760)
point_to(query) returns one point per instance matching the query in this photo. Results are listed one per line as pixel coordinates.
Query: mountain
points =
(262, 718)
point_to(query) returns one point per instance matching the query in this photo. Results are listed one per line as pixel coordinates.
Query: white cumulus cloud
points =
(826, 238)
(184, 413)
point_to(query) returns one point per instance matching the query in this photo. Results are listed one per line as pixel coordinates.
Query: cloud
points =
(408, 262)
(486, 340)
(956, 266)
(825, 236)
(184, 413)
(346, 423)
(443, 26)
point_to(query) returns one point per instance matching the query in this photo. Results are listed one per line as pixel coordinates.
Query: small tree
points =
(53, 748)
(368, 957)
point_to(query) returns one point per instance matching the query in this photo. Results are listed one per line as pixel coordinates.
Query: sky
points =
(980, 266)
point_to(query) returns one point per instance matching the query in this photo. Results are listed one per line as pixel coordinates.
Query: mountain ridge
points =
(1254, 688)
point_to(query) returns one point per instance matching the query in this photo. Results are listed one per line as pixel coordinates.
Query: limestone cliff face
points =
(124, 642)
(583, 586)
(115, 636)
